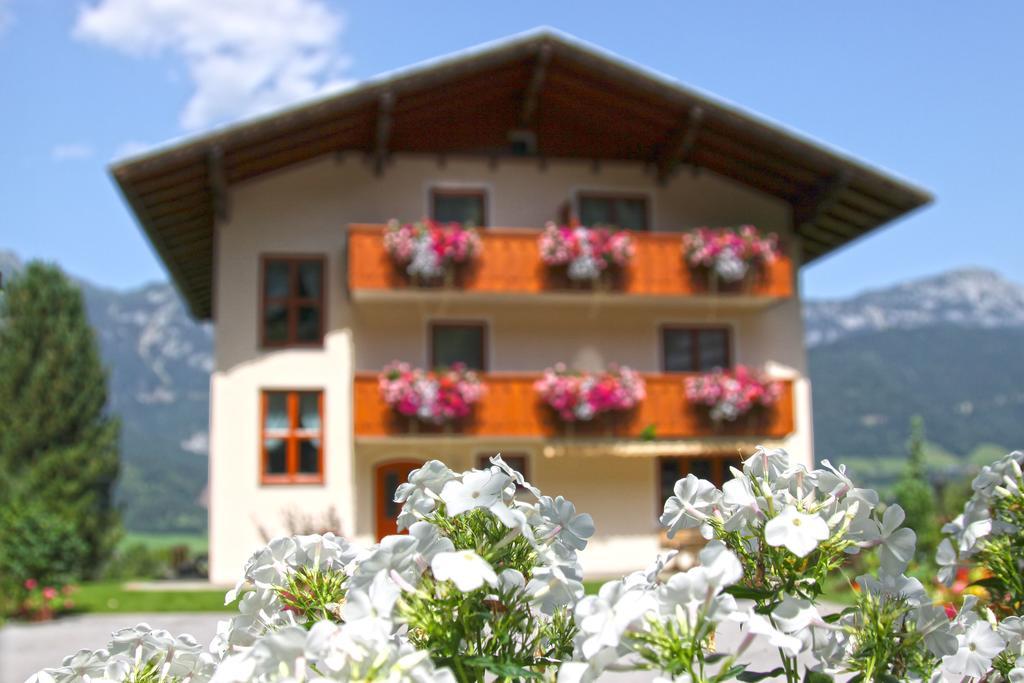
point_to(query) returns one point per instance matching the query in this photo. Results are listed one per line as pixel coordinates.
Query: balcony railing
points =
(511, 408)
(510, 264)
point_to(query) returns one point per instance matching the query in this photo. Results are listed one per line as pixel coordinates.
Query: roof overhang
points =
(578, 101)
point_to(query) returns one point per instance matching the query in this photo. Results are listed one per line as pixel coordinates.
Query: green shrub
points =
(917, 498)
(138, 561)
(35, 544)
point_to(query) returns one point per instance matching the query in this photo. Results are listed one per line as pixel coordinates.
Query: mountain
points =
(966, 298)
(159, 361)
(947, 348)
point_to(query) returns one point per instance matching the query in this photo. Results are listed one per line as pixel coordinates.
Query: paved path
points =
(26, 648)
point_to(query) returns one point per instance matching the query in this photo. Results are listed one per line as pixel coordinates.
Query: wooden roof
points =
(577, 102)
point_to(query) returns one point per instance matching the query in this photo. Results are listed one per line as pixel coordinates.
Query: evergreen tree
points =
(58, 445)
(916, 495)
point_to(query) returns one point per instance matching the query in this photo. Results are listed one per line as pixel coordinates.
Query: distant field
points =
(112, 597)
(197, 543)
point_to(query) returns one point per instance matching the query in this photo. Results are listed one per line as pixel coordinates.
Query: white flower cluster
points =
(619, 628)
(426, 262)
(730, 266)
(585, 265)
(316, 607)
(486, 584)
(969, 530)
(138, 653)
(551, 526)
(355, 651)
(772, 502)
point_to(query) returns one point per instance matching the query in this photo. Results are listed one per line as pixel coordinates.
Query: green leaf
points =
(749, 676)
(746, 593)
(990, 582)
(816, 677)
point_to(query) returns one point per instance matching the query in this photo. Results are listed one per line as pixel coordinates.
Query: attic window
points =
(628, 212)
(457, 205)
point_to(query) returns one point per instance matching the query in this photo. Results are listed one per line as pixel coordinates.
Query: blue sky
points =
(930, 90)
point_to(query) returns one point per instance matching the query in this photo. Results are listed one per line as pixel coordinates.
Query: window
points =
(714, 468)
(627, 212)
(516, 461)
(458, 343)
(694, 349)
(293, 301)
(468, 207)
(292, 437)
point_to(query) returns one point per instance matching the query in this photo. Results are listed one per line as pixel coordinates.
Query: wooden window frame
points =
(580, 196)
(484, 338)
(292, 436)
(694, 331)
(454, 191)
(292, 302)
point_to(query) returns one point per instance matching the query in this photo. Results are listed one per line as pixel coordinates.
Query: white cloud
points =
(242, 56)
(71, 151)
(130, 149)
(6, 15)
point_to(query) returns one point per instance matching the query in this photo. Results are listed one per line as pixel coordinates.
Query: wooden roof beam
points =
(385, 108)
(531, 97)
(219, 200)
(808, 208)
(680, 144)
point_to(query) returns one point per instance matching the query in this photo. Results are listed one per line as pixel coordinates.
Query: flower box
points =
(578, 256)
(438, 398)
(432, 254)
(729, 260)
(576, 397)
(740, 397)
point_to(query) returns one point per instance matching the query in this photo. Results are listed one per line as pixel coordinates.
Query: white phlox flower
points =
(691, 502)
(894, 585)
(553, 587)
(476, 489)
(978, 645)
(798, 531)
(560, 522)
(517, 477)
(467, 570)
(757, 625)
(897, 543)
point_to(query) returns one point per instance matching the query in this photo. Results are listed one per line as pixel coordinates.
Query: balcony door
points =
(387, 477)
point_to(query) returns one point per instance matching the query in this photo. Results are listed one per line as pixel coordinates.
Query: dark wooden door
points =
(388, 476)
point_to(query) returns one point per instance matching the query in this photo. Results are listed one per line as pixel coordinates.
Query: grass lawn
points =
(197, 543)
(112, 597)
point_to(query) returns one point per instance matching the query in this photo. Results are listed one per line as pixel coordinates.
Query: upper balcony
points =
(510, 268)
(511, 408)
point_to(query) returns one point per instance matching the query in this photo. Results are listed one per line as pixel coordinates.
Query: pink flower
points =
(731, 394)
(581, 396)
(49, 593)
(561, 245)
(436, 397)
(452, 243)
(702, 246)
(30, 584)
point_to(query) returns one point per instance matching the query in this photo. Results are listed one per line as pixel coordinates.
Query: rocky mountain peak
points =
(972, 297)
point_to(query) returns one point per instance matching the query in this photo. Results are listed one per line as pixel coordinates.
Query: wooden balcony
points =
(511, 408)
(510, 267)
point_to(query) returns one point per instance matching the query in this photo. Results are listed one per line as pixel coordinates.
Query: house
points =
(273, 229)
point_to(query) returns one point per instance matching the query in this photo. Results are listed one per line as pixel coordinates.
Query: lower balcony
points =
(512, 409)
